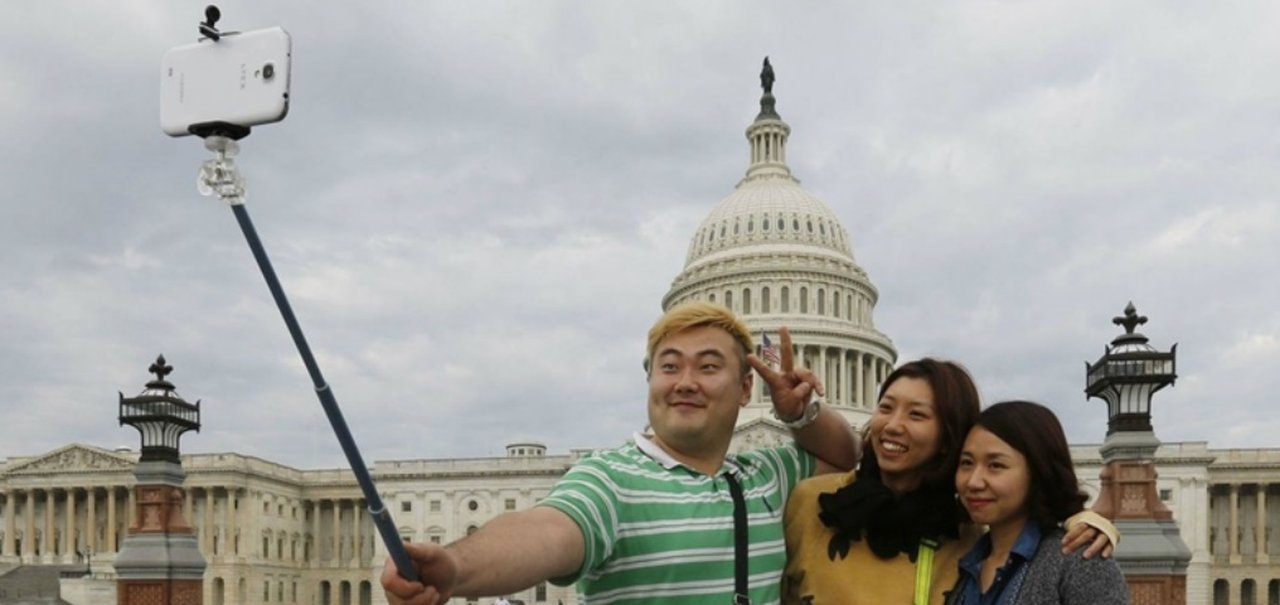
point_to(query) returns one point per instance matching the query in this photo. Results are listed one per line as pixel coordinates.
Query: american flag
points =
(770, 351)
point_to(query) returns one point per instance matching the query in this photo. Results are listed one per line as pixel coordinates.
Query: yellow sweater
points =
(862, 578)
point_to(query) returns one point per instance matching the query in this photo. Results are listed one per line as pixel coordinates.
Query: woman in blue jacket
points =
(1016, 477)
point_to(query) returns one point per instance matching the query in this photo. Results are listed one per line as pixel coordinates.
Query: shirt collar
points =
(646, 446)
(1028, 540)
(1024, 546)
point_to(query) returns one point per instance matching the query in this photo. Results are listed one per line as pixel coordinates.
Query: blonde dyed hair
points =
(697, 314)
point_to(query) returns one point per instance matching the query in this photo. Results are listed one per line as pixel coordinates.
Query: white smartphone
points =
(241, 79)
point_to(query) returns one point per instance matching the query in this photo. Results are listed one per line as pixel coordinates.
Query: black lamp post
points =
(1129, 372)
(160, 415)
(1152, 555)
(159, 560)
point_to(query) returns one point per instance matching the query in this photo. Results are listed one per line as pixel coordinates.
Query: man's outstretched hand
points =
(436, 567)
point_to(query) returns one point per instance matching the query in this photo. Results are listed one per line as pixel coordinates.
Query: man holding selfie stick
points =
(670, 517)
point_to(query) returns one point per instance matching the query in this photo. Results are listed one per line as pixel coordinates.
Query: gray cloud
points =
(477, 209)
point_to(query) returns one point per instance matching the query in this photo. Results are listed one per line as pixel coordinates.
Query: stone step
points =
(33, 584)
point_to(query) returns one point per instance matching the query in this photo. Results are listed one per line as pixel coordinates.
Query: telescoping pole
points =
(381, 517)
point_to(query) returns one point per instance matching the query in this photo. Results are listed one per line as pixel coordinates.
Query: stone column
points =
(1233, 533)
(825, 374)
(10, 524)
(1260, 528)
(91, 519)
(315, 535)
(111, 519)
(843, 372)
(206, 522)
(861, 380)
(337, 533)
(29, 515)
(355, 532)
(69, 535)
(46, 543)
(228, 509)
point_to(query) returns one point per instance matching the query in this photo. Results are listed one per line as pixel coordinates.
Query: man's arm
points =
(510, 553)
(828, 437)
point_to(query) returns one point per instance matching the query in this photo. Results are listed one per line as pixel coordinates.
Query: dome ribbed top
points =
(769, 211)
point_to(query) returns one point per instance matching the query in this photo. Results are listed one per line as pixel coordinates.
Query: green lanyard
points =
(924, 571)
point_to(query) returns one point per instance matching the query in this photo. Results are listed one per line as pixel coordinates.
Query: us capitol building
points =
(772, 252)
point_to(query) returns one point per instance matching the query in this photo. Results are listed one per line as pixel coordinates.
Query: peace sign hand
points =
(789, 387)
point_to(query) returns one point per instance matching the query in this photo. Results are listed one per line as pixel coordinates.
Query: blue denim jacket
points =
(1009, 576)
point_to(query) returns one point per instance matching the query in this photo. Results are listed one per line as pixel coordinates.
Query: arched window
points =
(848, 307)
(764, 299)
(810, 222)
(1220, 590)
(1248, 594)
(795, 224)
(782, 225)
(835, 304)
(822, 302)
(785, 300)
(735, 226)
(822, 228)
(711, 297)
(764, 224)
(728, 299)
(804, 300)
(746, 301)
(751, 224)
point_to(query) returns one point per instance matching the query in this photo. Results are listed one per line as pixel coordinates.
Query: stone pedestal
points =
(1151, 553)
(159, 561)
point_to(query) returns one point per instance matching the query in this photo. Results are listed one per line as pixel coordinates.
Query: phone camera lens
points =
(268, 71)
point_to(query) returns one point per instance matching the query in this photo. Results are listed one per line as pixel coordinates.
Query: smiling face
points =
(993, 480)
(905, 433)
(696, 386)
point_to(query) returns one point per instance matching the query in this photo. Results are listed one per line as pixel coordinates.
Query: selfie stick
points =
(220, 176)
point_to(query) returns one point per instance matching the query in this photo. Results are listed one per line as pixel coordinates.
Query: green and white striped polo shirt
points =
(658, 531)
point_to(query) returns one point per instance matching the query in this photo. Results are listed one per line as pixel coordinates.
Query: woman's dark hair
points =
(893, 523)
(1033, 430)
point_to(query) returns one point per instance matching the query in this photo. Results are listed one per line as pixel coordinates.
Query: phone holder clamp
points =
(220, 176)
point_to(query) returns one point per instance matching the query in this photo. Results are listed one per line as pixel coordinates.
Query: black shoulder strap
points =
(740, 595)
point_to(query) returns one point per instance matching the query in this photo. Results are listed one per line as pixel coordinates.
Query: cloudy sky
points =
(476, 208)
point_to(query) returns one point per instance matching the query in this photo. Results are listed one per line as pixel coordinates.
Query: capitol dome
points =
(779, 256)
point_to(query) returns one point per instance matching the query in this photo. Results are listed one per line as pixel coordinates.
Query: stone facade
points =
(270, 533)
(258, 527)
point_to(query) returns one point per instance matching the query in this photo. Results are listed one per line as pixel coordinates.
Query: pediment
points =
(73, 458)
(757, 433)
